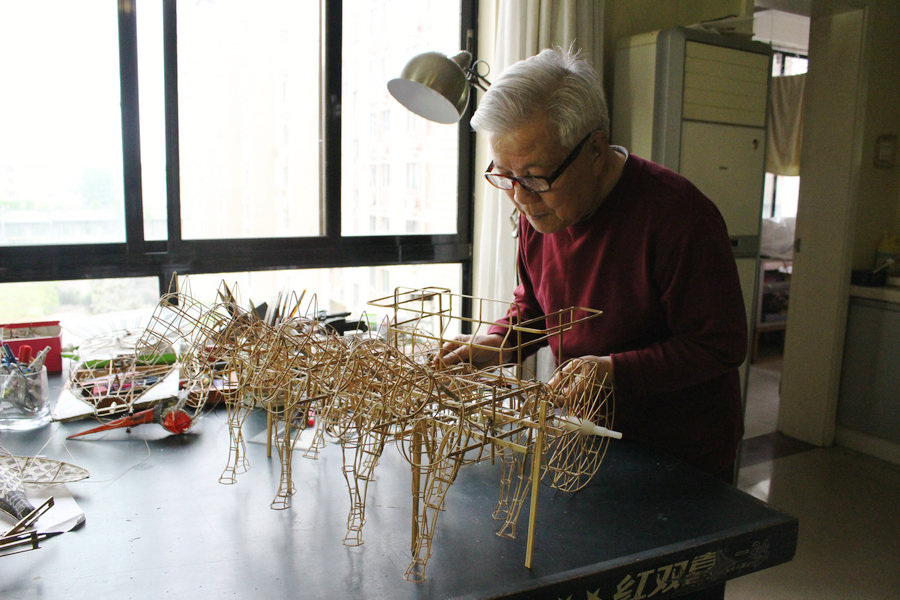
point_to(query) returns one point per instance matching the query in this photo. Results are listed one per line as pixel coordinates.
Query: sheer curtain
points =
(785, 125)
(523, 28)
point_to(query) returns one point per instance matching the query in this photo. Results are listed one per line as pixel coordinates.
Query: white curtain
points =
(524, 28)
(785, 125)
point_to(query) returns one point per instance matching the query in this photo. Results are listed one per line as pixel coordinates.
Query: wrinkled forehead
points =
(532, 144)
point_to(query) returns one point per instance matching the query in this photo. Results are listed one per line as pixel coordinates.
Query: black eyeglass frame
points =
(498, 180)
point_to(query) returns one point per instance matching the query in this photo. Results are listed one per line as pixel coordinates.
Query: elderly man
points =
(606, 229)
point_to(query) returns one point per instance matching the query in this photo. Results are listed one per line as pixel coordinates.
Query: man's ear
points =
(598, 143)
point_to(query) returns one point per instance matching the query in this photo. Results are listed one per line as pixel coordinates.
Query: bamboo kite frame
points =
(369, 390)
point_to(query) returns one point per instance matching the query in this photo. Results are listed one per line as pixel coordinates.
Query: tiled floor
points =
(846, 502)
(761, 412)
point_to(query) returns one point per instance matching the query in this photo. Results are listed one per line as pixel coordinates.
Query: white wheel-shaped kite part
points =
(583, 411)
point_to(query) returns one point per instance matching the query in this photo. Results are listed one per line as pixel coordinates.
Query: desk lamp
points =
(436, 87)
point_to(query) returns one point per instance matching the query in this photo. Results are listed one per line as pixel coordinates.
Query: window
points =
(199, 137)
(374, 55)
(248, 119)
(152, 123)
(347, 289)
(85, 308)
(61, 154)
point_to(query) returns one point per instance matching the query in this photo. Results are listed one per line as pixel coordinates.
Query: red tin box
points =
(38, 335)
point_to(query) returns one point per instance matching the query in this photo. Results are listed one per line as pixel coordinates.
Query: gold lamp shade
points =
(434, 86)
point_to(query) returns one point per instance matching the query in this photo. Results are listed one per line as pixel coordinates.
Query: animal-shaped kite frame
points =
(372, 389)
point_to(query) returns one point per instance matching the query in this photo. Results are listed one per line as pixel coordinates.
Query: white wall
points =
(845, 202)
(817, 312)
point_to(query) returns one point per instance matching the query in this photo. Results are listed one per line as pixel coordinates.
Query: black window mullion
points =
(170, 76)
(332, 57)
(466, 177)
(131, 134)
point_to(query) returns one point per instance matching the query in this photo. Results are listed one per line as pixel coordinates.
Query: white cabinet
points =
(869, 401)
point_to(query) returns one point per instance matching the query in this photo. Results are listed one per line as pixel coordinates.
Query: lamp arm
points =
(477, 79)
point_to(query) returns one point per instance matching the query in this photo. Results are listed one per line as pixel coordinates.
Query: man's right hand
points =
(480, 350)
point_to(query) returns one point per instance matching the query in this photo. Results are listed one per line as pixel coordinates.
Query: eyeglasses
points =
(534, 183)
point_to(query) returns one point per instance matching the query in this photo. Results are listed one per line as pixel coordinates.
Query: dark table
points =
(159, 524)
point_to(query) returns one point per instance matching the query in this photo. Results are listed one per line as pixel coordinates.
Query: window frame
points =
(137, 257)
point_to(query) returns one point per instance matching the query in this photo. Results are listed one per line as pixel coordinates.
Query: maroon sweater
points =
(656, 259)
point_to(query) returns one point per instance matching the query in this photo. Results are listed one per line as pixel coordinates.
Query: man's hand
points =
(480, 350)
(582, 365)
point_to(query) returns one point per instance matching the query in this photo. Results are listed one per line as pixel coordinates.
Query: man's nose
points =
(523, 196)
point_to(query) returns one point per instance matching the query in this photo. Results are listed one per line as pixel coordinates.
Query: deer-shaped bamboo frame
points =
(371, 389)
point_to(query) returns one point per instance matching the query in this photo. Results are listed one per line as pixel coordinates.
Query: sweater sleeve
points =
(706, 323)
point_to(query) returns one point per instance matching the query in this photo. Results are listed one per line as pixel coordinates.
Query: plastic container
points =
(24, 400)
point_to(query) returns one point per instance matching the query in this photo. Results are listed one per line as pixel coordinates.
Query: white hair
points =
(556, 83)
